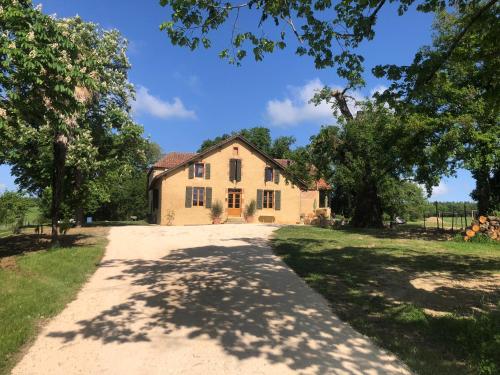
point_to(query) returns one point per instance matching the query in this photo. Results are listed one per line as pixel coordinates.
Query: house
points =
(182, 187)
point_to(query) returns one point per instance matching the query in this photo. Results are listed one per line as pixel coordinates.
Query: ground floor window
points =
(198, 196)
(268, 199)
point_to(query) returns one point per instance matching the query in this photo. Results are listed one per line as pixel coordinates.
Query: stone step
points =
(234, 220)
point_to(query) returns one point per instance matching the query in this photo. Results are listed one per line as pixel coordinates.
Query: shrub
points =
(216, 210)
(250, 209)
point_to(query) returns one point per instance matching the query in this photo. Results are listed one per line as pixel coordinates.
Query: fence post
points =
(452, 220)
(424, 222)
(465, 215)
(437, 215)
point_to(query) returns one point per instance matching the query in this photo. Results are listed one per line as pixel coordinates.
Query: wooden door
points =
(234, 202)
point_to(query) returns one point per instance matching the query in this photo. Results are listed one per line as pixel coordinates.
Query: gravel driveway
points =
(199, 300)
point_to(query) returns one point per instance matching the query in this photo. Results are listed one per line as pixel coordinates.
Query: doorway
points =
(234, 202)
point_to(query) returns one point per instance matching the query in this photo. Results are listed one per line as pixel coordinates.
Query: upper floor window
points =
(199, 170)
(235, 151)
(269, 174)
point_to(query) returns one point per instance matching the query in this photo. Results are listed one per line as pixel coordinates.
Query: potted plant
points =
(216, 212)
(249, 212)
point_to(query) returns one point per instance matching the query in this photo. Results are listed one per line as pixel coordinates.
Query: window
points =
(235, 170)
(235, 151)
(198, 196)
(199, 169)
(268, 199)
(269, 174)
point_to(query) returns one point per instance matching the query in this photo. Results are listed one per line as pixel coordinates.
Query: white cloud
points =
(441, 189)
(378, 89)
(154, 106)
(295, 107)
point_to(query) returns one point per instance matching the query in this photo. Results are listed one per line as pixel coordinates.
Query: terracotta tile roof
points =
(173, 159)
(322, 185)
(284, 162)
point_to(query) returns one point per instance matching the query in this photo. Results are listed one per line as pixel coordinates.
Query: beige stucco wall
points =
(173, 188)
(309, 199)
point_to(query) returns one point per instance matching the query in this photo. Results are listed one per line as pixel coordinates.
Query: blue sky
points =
(184, 97)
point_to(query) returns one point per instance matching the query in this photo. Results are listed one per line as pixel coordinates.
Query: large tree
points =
(365, 160)
(64, 119)
(452, 88)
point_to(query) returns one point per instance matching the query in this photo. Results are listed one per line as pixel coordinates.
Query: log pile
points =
(488, 225)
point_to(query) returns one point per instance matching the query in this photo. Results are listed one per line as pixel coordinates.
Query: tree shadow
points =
(26, 243)
(243, 297)
(404, 232)
(421, 305)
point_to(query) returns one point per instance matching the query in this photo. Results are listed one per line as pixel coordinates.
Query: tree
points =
(329, 32)
(364, 159)
(65, 125)
(260, 137)
(44, 86)
(452, 88)
(14, 207)
(127, 195)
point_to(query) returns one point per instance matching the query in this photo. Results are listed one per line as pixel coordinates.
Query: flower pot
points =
(216, 220)
(250, 219)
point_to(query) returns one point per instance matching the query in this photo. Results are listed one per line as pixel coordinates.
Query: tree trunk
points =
(368, 207)
(79, 214)
(60, 148)
(482, 192)
(341, 100)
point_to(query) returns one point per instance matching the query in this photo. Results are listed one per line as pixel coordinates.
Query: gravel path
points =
(199, 300)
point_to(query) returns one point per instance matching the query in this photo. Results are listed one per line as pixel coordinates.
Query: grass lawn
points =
(37, 282)
(435, 303)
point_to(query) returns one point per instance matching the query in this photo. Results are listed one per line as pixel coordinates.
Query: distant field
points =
(446, 222)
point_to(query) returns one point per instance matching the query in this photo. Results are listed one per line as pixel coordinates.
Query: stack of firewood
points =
(489, 225)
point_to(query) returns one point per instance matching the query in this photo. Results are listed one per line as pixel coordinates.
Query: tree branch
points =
(457, 40)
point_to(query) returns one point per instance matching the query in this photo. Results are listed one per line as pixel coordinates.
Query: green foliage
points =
(365, 159)
(216, 210)
(260, 137)
(403, 199)
(450, 91)
(250, 209)
(65, 124)
(329, 32)
(14, 208)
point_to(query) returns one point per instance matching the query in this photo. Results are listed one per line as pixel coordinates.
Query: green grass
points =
(369, 277)
(36, 286)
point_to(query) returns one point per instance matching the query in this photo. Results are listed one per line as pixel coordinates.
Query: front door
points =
(234, 202)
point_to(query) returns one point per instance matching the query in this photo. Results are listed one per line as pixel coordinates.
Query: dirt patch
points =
(8, 263)
(430, 281)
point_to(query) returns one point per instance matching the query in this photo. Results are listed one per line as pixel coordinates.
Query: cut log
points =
(476, 228)
(466, 238)
(482, 219)
(470, 233)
